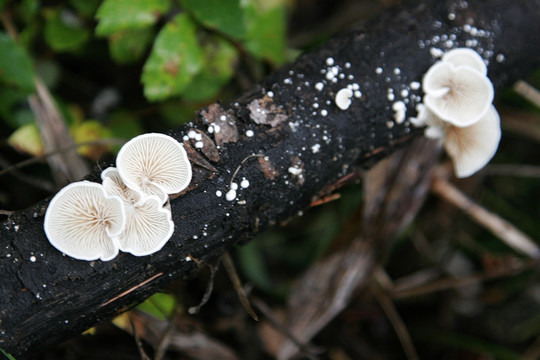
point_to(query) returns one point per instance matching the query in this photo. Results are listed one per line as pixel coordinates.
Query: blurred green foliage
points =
(184, 54)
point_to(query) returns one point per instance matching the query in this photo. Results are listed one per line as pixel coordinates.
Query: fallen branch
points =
(294, 146)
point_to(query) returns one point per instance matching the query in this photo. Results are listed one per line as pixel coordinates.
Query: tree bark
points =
(286, 137)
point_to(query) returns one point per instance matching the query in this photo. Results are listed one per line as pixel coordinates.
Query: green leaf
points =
(226, 16)
(129, 45)
(64, 31)
(7, 355)
(9, 98)
(159, 305)
(266, 31)
(89, 131)
(175, 113)
(15, 65)
(26, 139)
(2, 3)
(119, 15)
(124, 125)
(218, 69)
(175, 59)
(28, 10)
(85, 7)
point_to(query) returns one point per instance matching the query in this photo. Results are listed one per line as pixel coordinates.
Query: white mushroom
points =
(343, 98)
(148, 228)
(459, 95)
(115, 186)
(148, 224)
(82, 221)
(465, 57)
(473, 146)
(155, 164)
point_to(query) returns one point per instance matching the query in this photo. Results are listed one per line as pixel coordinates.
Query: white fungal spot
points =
(244, 184)
(234, 186)
(415, 85)
(436, 52)
(319, 86)
(295, 171)
(316, 148)
(250, 133)
(270, 94)
(191, 134)
(199, 145)
(500, 58)
(32, 258)
(343, 98)
(397, 71)
(399, 111)
(330, 61)
(324, 112)
(219, 193)
(231, 195)
(378, 70)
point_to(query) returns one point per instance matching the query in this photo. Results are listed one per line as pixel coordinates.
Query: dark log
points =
(294, 156)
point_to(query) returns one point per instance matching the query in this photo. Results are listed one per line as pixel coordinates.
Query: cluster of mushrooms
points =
(458, 110)
(129, 211)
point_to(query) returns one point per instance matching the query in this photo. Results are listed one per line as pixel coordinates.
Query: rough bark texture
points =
(305, 145)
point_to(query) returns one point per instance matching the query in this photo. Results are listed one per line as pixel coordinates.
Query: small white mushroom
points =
(465, 57)
(82, 221)
(148, 224)
(473, 146)
(155, 164)
(459, 95)
(343, 98)
(115, 186)
(148, 227)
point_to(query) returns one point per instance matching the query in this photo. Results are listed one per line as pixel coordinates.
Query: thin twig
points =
(242, 163)
(165, 340)
(501, 228)
(309, 351)
(233, 275)
(31, 180)
(513, 170)
(24, 163)
(138, 341)
(528, 92)
(209, 288)
(452, 283)
(393, 316)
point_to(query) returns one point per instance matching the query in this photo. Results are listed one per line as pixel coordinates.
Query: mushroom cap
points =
(473, 146)
(82, 221)
(148, 228)
(155, 164)
(343, 98)
(465, 57)
(458, 95)
(114, 186)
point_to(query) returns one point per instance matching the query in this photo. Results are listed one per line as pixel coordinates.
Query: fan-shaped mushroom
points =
(155, 164)
(460, 95)
(148, 223)
(82, 221)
